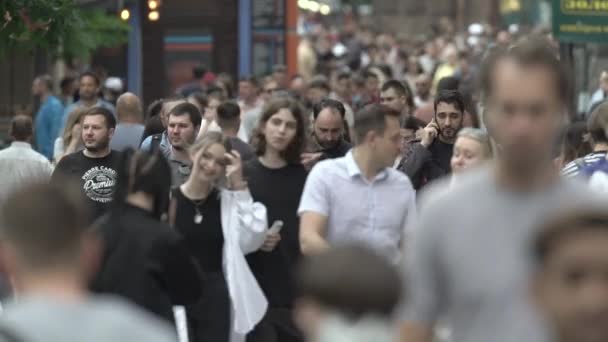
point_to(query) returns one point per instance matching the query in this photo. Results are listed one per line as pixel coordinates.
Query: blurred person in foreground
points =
(144, 260)
(570, 286)
(19, 163)
(51, 256)
(348, 293)
(596, 124)
(129, 129)
(468, 264)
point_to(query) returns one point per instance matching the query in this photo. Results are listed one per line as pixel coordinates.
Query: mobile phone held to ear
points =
(276, 227)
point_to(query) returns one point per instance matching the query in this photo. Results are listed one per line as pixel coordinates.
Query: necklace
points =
(198, 216)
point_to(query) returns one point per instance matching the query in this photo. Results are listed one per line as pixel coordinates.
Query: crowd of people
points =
(386, 196)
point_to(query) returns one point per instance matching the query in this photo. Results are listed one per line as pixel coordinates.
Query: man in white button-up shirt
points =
(19, 163)
(360, 198)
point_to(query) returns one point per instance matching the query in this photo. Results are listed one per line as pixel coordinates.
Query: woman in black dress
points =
(276, 179)
(207, 209)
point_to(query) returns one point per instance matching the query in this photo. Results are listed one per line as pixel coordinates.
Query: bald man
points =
(129, 129)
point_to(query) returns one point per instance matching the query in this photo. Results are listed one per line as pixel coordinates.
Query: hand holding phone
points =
(276, 227)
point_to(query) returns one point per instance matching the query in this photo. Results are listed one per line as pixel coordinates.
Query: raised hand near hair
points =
(234, 171)
(429, 133)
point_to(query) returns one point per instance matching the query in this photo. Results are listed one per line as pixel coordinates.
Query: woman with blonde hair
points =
(71, 139)
(472, 148)
(216, 215)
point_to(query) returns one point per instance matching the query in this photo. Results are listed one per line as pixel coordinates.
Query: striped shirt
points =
(574, 168)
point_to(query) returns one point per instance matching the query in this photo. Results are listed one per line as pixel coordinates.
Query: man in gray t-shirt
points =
(470, 265)
(44, 319)
(468, 260)
(129, 130)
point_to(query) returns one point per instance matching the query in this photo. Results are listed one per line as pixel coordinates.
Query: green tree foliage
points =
(59, 27)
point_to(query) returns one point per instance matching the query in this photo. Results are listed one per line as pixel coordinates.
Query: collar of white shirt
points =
(21, 144)
(353, 169)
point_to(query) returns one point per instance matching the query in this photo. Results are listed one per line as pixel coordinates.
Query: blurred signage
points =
(577, 21)
(268, 35)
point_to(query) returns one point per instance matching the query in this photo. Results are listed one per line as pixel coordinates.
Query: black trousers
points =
(276, 326)
(209, 319)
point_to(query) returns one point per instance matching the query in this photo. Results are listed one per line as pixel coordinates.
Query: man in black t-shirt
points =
(430, 159)
(96, 167)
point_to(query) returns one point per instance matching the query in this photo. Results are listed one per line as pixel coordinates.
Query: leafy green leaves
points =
(59, 27)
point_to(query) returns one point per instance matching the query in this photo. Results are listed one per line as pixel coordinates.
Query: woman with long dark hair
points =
(220, 222)
(276, 179)
(144, 260)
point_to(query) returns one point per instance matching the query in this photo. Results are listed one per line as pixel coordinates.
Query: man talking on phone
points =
(430, 159)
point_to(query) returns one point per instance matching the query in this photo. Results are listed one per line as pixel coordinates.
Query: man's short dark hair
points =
(369, 74)
(372, 118)
(335, 105)
(352, 280)
(52, 236)
(344, 75)
(453, 97)
(65, 82)
(566, 224)
(598, 123)
(531, 50)
(199, 72)
(396, 85)
(402, 89)
(413, 123)
(106, 113)
(90, 74)
(448, 83)
(187, 108)
(229, 115)
(319, 83)
(21, 128)
(154, 108)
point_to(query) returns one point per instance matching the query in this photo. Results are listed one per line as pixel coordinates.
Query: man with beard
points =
(184, 123)
(88, 90)
(430, 159)
(95, 167)
(328, 133)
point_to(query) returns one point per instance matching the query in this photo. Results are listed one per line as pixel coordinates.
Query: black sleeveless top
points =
(205, 240)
